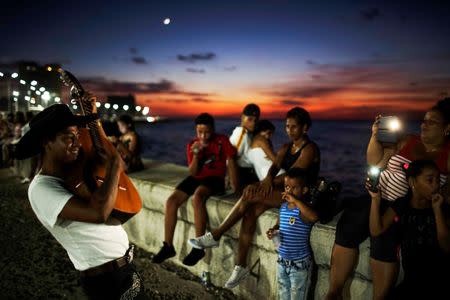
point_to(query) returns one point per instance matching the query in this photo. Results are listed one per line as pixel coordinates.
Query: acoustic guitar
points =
(88, 172)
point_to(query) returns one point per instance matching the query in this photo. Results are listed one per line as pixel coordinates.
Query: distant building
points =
(26, 85)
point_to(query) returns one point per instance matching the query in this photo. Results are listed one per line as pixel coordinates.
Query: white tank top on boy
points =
(243, 138)
(260, 162)
(87, 244)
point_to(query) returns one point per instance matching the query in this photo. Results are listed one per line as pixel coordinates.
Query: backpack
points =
(323, 199)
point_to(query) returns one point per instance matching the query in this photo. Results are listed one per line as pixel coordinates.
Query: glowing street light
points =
(46, 96)
(57, 99)
(150, 119)
(42, 89)
(22, 81)
(15, 93)
(74, 107)
(145, 111)
(116, 106)
(1, 74)
(27, 98)
(98, 104)
(107, 105)
(49, 68)
(15, 99)
(38, 93)
(33, 83)
(138, 108)
(14, 75)
(32, 88)
(125, 107)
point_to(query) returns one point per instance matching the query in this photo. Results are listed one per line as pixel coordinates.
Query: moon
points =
(166, 21)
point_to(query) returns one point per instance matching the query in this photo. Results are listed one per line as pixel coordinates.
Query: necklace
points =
(297, 148)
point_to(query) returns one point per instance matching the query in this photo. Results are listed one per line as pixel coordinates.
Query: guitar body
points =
(86, 174)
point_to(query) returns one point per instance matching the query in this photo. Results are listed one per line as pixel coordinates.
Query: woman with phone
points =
(353, 227)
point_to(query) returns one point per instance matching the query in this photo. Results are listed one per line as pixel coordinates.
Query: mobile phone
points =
(373, 178)
(389, 128)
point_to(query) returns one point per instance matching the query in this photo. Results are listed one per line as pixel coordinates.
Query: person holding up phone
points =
(353, 227)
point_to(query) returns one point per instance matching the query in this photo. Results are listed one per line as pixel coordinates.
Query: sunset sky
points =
(337, 59)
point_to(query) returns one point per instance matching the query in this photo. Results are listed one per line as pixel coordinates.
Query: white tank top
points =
(260, 162)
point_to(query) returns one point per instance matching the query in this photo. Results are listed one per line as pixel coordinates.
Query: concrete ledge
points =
(146, 229)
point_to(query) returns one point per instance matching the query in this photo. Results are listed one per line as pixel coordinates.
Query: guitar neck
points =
(95, 129)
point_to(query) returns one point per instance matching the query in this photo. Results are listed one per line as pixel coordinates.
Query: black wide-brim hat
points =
(46, 123)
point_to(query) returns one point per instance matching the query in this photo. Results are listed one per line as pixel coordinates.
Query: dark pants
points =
(124, 283)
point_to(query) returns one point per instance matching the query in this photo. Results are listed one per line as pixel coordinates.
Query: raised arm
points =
(193, 151)
(307, 213)
(377, 154)
(377, 223)
(442, 229)
(98, 208)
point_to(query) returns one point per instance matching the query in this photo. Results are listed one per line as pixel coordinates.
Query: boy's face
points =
(294, 186)
(249, 122)
(204, 133)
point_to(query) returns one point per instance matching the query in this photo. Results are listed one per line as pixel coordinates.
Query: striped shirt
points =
(393, 183)
(294, 234)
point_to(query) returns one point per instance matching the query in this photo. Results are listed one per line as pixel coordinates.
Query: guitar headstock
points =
(76, 90)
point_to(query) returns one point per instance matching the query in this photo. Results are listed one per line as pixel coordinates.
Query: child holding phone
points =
(424, 233)
(294, 224)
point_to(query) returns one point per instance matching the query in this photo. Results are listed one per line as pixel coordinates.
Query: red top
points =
(212, 158)
(441, 160)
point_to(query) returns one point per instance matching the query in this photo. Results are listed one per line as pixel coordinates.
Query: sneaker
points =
(239, 274)
(167, 251)
(193, 257)
(204, 241)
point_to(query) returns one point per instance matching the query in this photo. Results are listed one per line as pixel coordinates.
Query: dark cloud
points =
(105, 86)
(139, 60)
(193, 70)
(311, 62)
(133, 50)
(370, 14)
(202, 100)
(230, 69)
(194, 57)
(292, 102)
(371, 80)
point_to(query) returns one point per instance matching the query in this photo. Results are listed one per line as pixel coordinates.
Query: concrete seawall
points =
(146, 230)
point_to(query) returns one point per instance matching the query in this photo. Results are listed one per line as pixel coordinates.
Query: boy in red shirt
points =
(207, 156)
